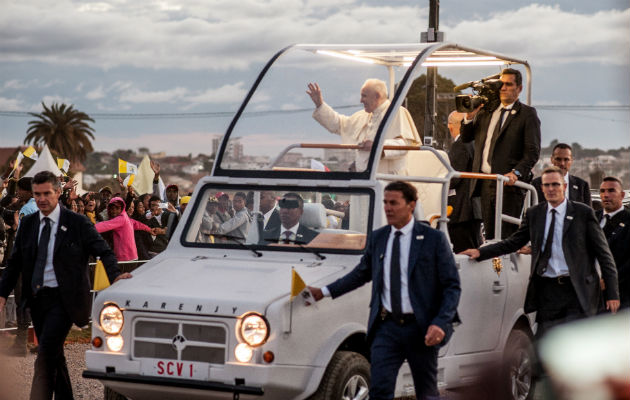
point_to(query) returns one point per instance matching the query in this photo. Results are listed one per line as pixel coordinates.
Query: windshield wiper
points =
(237, 240)
(317, 253)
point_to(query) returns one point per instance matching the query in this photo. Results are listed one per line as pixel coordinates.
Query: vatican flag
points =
(101, 281)
(31, 153)
(63, 165)
(125, 167)
(129, 180)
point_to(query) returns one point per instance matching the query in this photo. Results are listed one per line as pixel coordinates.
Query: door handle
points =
(497, 287)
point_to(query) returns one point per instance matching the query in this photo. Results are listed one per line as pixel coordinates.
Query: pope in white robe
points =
(361, 127)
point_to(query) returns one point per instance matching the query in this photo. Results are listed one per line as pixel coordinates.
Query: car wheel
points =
(110, 394)
(520, 363)
(347, 377)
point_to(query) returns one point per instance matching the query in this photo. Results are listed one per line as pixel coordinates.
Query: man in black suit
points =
(566, 240)
(51, 252)
(615, 221)
(464, 224)
(290, 230)
(415, 292)
(507, 142)
(269, 217)
(577, 188)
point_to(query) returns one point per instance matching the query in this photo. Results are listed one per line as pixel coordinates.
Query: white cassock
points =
(362, 126)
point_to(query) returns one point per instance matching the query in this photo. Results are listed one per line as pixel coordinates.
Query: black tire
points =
(519, 360)
(347, 377)
(109, 394)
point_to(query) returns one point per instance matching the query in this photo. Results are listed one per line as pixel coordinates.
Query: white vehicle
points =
(212, 316)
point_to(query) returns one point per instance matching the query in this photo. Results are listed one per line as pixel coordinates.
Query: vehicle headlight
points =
(253, 329)
(111, 319)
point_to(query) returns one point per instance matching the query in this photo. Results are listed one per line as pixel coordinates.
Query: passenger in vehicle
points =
(360, 128)
(209, 221)
(224, 212)
(236, 227)
(290, 230)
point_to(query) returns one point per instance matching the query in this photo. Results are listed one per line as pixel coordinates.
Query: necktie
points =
(40, 260)
(546, 254)
(287, 236)
(394, 276)
(497, 128)
(608, 226)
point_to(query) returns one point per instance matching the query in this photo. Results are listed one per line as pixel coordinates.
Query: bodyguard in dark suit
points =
(566, 239)
(507, 142)
(615, 221)
(51, 252)
(577, 188)
(464, 224)
(415, 292)
(290, 230)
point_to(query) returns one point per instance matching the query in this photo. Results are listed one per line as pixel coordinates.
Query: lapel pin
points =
(513, 112)
(569, 217)
(621, 224)
(381, 256)
(419, 237)
(63, 228)
(575, 187)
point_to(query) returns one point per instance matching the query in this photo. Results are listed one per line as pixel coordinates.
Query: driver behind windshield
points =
(290, 230)
(360, 128)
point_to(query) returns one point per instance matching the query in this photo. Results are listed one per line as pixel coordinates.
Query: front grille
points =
(180, 340)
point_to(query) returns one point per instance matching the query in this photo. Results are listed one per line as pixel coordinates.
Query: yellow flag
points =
(63, 164)
(101, 281)
(129, 180)
(31, 153)
(125, 167)
(297, 284)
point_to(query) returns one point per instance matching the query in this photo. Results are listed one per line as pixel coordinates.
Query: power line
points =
(227, 114)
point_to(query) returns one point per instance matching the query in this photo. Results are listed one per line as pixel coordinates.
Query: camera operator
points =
(507, 141)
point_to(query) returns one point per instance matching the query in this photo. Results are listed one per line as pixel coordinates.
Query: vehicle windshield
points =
(280, 218)
(280, 113)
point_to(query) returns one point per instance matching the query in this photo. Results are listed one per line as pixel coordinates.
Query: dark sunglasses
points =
(552, 184)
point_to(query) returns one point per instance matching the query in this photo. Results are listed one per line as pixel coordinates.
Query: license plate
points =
(175, 369)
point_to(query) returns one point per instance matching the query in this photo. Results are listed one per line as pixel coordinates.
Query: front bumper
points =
(148, 385)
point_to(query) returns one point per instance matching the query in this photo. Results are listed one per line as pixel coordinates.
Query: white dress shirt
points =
(485, 163)
(293, 231)
(405, 247)
(50, 279)
(557, 265)
(266, 216)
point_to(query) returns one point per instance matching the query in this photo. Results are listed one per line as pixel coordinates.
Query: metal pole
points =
(430, 109)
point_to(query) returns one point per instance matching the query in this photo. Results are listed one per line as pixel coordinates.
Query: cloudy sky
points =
(116, 58)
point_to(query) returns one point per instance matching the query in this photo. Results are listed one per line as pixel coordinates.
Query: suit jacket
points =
(304, 235)
(433, 280)
(517, 146)
(578, 190)
(461, 157)
(583, 241)
(619, 243)
(76, 240)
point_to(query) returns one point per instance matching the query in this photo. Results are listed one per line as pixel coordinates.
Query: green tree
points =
(64, 129)
(416, 101)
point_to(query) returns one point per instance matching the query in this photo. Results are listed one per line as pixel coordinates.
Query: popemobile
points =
(221, 315)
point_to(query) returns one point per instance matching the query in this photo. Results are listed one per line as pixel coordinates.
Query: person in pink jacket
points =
(122, 227)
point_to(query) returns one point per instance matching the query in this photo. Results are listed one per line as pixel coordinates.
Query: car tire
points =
(347, 377)
(109, 394)
(520, 361)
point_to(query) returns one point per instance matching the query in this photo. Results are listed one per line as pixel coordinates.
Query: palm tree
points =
(65, 130)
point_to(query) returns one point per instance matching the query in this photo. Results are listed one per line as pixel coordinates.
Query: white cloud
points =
(11, 104)
(17, 84)
(160, 96)
(546, 35)
(230, 93)
(96, 93)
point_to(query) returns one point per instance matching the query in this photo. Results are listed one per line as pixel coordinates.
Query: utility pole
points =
(430, 115)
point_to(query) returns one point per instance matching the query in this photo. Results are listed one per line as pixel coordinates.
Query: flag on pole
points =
(63, 165)
(297, 284)
(129, 180)
(101, 281)
(31, 153)
(125, 167)
(18, 160)
(318, 166)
